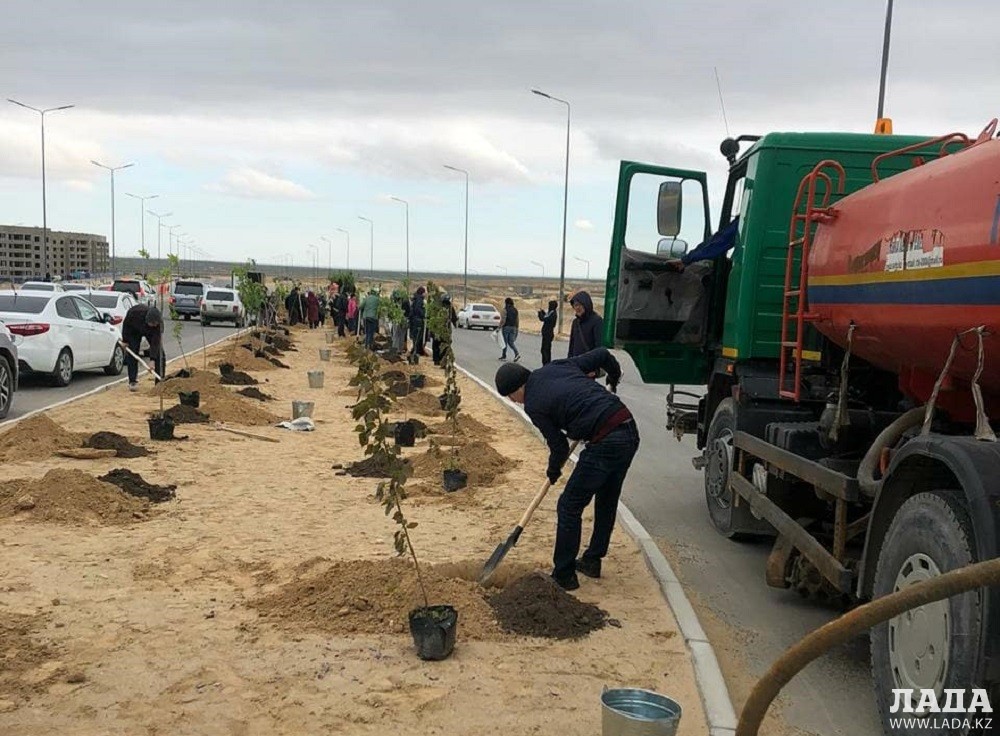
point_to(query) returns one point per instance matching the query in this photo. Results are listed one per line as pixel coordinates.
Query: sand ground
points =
(153, 627)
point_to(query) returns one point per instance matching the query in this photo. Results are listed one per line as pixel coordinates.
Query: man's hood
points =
(583, 299)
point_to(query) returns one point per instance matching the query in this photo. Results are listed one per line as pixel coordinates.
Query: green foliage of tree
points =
(345, 281)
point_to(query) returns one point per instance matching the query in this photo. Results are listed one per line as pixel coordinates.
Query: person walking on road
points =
(143, 321)
(508, 329)
(312, 310)
(564, 401)
(548, 320)
(352, 314)
(436, 352)
(418, 318)
(339, 307)
(369, 315)
(587, 330)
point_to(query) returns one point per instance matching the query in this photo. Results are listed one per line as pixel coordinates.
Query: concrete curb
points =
(715, 698)
(111, 384)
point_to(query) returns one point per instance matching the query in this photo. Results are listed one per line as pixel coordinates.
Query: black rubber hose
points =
(886, 438)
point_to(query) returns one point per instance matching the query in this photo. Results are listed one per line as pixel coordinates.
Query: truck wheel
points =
(730, 522)
(938, 645)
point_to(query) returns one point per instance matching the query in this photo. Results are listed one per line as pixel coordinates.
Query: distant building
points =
(68, 253)
(524, 290)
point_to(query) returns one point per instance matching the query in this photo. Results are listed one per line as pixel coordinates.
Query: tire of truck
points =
(939, 645)
(734, 523)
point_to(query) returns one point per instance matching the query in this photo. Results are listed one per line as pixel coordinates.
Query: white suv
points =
(222, 305)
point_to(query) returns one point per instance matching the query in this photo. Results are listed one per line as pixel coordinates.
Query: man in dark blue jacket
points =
(587, 330)
(565, 402)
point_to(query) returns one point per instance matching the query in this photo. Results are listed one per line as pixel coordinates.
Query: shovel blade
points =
(498, 554)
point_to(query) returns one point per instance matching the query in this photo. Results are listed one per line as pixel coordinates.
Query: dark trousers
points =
(371, 327)
(132, 365)
(546, 349)
(599, 475)
(338, 319)
(417, 337)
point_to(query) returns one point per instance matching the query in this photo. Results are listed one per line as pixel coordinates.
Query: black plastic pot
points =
(434, 630)
(443, 400)
(226, 368)
(455, 480)
(405, 433)
(190, 398)
(161, 428)
(418, 380)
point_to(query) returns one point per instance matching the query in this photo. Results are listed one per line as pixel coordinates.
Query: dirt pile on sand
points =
(21, 654)
(135, 485)
(255, 393)
(36, 438)
(112, 441)
(374, 597)
(201, 381)
(69, 497)
(484, 465)
(229, 408)
(468, 428)
(421, 402)
(373, 466)
(536, 606)
(184, 415)
(238, 378)
(243, 360)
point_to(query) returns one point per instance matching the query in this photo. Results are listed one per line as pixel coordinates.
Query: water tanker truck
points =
(847, 346)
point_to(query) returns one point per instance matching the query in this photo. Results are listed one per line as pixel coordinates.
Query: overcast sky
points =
(265, 125)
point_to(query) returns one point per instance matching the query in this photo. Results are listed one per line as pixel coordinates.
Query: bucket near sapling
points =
(455, 480)
(190, 398)
(315, 379)
(434, 630)
(330, 337)
(161, 428)
(405, 433)
(302, 409)
(324, 354)
(636, 712)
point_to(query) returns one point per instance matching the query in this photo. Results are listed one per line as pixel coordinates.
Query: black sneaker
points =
(570, 582)
(589, 566)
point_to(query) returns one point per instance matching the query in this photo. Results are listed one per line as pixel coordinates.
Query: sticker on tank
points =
(906, 250)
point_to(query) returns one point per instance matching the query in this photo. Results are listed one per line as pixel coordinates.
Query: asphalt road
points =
(36, 392)
(725, 580)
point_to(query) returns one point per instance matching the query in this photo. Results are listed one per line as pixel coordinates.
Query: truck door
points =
(654, 310)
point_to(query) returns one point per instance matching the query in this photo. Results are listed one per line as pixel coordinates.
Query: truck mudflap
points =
(975, 465)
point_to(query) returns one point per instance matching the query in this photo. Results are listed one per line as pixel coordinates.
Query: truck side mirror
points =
(672, 247)
(668, 209)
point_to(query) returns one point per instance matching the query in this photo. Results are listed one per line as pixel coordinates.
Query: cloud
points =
(583, 225)
(254, 184)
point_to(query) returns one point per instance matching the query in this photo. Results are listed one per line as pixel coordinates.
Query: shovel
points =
(144, 364)
(502, 549)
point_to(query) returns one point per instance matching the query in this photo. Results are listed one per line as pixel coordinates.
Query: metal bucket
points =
(302, 409)
(324, 354)
(315, 379)
(330, 337)
(635, 712)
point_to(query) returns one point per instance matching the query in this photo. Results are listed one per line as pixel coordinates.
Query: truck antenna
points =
(722, 102)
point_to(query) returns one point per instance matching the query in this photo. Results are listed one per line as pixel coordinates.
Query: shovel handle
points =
(540, 495)
(143, 363)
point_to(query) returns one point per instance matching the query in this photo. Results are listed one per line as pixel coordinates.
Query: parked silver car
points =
(8, 370)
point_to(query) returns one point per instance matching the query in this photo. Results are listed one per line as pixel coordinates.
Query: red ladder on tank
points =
(805, 214)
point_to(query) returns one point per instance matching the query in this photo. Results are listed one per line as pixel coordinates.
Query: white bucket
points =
(330, 337)
(302, 409)
(635, 712)
(315, 379)
(324, 354)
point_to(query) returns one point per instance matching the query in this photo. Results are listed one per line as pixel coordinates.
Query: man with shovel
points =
(142, 321)
(564, 401)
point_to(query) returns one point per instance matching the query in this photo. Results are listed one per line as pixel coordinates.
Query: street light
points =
(315, 257)
(348, 234)
(541, 266)
(329, 255)
(159, 226)
(371, 243)
(465, 297)
(562, 260)
(584, 260)
(407, 206)
(501, 268)
(142, 213)
(112, 170)
(45, 221)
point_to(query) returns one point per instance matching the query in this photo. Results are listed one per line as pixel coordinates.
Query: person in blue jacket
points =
(564, 401)
(718, 244)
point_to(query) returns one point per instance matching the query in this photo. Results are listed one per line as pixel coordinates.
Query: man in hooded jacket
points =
(548, 320)
(587, 330)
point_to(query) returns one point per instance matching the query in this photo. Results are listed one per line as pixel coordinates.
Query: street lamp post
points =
(348, 234)
(371, 243)
(501, 268)
(584, 260)
(315, 257)
(541, 266)
(45, 221)
(170, 238)
(159, 226)
(407, 206)
(329, 255)
(465, 270)
(142, 214)
(562, 260)
(112, 170)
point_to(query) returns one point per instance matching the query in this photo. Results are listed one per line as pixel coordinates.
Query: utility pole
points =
(142, 214)
(348, 234)
(112, 170)
(407, 206)
(465, 269)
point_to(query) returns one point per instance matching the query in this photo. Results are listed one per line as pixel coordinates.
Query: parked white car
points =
(75, 287)
(41, 286)
(113, 304)
(8, 370)
(479, 315)
(141, 289)
(57, 334)
(222, 305)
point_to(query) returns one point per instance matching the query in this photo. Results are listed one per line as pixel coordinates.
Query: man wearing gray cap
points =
(143, 321)
(564, 401)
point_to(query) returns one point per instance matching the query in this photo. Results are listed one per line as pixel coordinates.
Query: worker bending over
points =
(143, 321)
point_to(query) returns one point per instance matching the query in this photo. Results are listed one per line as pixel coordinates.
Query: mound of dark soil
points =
(271, 350)
(186, 415)
(237, 378)
(134, 485)
(112, 441)
(182, 373)
(394, 376)
(419, 428)
(277, 363)
(535, 605)
(282, 343)
(255, 393)
(374, 467)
